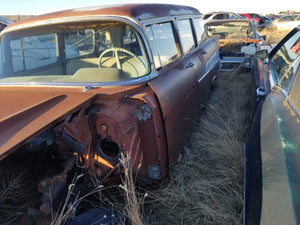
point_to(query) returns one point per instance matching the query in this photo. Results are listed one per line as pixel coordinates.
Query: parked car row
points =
(272, 152)
(273, 22)
(238, 41)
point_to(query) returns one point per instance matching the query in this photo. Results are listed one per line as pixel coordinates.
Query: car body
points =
(220, 16)
(98, 83)
(287, 22)
(272, 156)
(4, 22)
(238, 40)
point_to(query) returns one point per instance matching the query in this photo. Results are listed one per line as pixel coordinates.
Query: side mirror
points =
(261, 54)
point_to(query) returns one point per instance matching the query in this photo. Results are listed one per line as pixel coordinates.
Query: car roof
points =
(136, 12)
(220, 12)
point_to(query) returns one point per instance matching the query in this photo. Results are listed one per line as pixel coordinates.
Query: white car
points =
(221, 15)
(287, 22)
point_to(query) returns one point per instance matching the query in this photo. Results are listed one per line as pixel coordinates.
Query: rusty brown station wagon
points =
(94, 83)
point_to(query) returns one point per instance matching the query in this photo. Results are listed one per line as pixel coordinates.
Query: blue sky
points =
(35, 7)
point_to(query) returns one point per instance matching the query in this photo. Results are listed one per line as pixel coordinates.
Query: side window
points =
(207, 16)
(253, 16)
(283, 60)
(286, 18)
(226, 16)
(199, 28)
(294, 95)
(231, 16)
(185, 35)
(218, 17)
(163, 44)
(33, 52)
(79, 43)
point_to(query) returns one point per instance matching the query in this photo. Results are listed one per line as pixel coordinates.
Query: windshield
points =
(67, 53)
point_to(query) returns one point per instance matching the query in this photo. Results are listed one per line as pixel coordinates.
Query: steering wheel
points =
(116, 50)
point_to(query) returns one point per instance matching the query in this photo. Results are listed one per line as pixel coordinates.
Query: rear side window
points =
(185, 35)
(232, 16)
(199, 28)
(163, 44)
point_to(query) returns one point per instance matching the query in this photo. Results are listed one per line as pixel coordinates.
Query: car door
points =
(176, 84)
(280, 154)
(272, 153)
(211, 60)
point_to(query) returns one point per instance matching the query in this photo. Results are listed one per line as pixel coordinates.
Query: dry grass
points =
(273, 37)
(16, 195)
(69, 208)
(207, 186)
(133, 202)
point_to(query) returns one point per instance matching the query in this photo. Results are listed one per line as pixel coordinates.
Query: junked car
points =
(238, 40)
(90, 85)
(272, 160)
(286, 22)
(221, 15)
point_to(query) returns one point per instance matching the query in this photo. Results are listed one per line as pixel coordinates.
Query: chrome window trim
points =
(134, 81)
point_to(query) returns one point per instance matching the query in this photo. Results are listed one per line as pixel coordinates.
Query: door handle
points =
(190, 65)
(204, 52)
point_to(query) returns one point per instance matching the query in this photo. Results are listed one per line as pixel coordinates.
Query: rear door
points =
(179, 62)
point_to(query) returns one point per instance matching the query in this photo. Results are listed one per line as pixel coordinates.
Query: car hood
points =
(25, 112)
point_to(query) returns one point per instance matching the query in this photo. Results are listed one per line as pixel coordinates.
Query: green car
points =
(272, 153)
